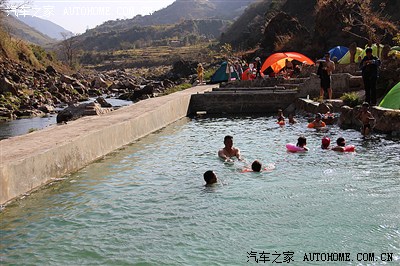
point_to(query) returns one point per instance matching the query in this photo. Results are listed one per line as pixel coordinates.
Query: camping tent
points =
(277, 61)
(346, 58)
(338, 52)
(392, 98)
(360, 53)
(221, 76)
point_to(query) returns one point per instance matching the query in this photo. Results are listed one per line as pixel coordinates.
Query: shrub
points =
(351, 99)
(180, 87)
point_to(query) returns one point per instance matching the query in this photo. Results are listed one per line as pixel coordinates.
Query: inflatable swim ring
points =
(293, 148)
(349, 148)
(281, 123)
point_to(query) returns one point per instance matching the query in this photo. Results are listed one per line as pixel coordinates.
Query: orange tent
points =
(277, 61)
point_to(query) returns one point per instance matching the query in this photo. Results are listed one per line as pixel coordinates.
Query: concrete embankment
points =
(30, 161)
(243, 100)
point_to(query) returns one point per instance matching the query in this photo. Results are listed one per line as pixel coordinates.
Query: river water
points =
(23, 126)
(146, 204)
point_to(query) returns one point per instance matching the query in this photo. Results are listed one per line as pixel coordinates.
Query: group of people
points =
(226, 154)
(229, 151)
(369, 67)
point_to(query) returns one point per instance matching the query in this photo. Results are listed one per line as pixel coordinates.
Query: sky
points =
(78, 16)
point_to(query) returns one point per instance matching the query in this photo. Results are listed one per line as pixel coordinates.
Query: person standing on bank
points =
(200, 73)
(329, 66)
(369, 66)
(258, 67)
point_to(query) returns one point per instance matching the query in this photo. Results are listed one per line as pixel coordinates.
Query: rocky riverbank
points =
(26, 92)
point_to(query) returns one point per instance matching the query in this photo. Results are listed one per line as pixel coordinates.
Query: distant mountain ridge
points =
(47, 27)
(182, 19)
(20, 30)
(194, 9)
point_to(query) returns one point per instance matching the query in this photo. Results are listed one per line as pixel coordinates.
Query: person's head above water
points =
(325, 142)
(341, 142)
(228, 140)
(256, 166)
(210, 177)
(301, 141)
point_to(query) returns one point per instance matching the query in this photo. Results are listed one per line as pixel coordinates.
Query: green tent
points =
(346, 58)
(221, 76)
(392, 98)
(360, 53)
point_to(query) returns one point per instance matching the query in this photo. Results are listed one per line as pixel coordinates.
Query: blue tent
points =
(221, 76)
(338, 52)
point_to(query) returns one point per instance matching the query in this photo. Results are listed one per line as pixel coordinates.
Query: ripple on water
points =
(146, 204)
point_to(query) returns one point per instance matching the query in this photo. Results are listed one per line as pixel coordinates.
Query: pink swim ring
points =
(293, 148)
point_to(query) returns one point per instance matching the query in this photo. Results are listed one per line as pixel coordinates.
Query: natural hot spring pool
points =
(146, 204)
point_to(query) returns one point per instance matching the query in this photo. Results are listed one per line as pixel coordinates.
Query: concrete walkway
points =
(29, 161)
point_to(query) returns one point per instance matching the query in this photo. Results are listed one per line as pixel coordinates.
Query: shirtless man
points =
(229, 151)
(366, 119)
(329, 67)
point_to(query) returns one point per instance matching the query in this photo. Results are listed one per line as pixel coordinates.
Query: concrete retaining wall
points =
(341, 83)
(241, 102)
(30, 161)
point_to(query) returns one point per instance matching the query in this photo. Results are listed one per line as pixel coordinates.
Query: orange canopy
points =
(277, 61)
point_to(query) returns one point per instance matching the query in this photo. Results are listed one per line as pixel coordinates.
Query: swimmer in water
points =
(317, 123)
(281, 117)
(341, 144)
(325, 143)
(302, 142)
(257, 166)
(229, 151)
(367, 119)
(210, 177)
(291, 119)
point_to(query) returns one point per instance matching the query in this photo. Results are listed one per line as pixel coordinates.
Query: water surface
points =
(146, 204)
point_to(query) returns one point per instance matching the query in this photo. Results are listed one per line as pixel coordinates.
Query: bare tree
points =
(5, 7)
(68, 47)
(374, 26)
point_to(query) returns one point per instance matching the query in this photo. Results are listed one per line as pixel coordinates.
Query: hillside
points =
(313, 26)
(46, 27)
(186, 32)
(20, 30)
(207, 18)
(194, 9)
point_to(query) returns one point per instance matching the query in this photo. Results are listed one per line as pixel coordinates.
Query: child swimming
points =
(366, 118)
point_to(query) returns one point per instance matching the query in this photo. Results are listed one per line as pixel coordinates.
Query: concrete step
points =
(290, 85)
(254, 92)
(251, 88)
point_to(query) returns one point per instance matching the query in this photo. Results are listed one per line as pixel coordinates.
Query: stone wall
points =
(241, 102)
(386, 120)
(341, 83)
(30, 161)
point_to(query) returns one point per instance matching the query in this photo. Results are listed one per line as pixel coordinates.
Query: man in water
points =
(229, 151)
